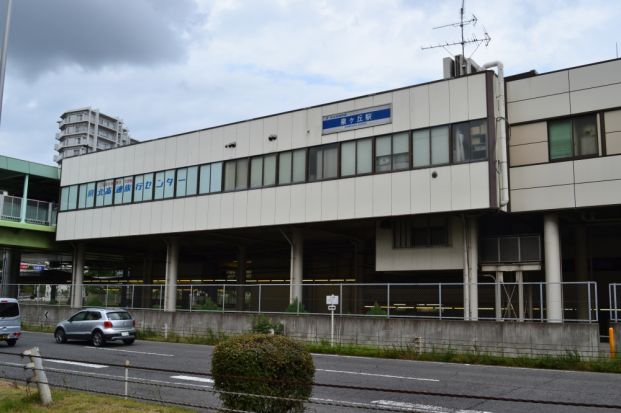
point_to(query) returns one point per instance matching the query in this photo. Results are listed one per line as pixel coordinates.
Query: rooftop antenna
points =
(485, 39)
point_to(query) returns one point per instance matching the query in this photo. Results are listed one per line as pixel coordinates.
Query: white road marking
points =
(192, 378)
(131, 351)
(75, 363)
(386, 376)
(422, 408)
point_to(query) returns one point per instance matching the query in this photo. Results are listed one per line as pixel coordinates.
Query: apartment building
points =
(87, 130)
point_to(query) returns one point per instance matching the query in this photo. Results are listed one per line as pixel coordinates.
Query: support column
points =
(552, 245)
(146, 294)
(466, 277)
(172, 264)
(22, 212)
(77, 276)
(10, 271)
(498, 295)
(473, 270)
(581, 263)
(297, 266)
(241, 278)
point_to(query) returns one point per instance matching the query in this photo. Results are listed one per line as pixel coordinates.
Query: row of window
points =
(420, 232)
(442, 145)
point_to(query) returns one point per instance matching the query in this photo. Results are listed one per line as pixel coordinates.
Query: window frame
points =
(598, 137)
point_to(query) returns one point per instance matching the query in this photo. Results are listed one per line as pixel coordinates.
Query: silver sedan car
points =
(98, 325)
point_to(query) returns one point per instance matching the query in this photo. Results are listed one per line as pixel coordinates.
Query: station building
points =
(470, 180)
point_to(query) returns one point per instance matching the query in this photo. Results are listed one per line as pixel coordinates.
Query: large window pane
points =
(191, 182)
(169, 187)
(315, 164)
(284, 168)
(440, 145)
(400, 151)
(585, 136)
(73, 197)
(382, 154)
(149, 186)
(159, 186)
(330, 161)
(421, 147)
(229, 175)
(269, 170)
(182, 176)
(241, 177)
(64, 198)
(560, 139)
(108, 191)
(461, 142)
(364, 156)
(205, 179)
(216, 177)
(118, 191)
(90, 195)
(128, 186)
(256, 172)
(101, 191)
(138, 188)
(82, 197)
(299, 165)
(478, 140)
(348, 158)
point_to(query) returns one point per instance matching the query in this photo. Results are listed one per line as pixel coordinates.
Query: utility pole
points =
(5, 43)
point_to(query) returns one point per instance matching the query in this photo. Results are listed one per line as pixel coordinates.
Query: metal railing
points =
(507, 301)
(614, 294)
(37, 212)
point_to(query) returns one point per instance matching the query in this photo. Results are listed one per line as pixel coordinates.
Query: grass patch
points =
(14, 398)
(38, 328)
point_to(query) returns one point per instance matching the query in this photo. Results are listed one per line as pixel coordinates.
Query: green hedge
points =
(263, 365)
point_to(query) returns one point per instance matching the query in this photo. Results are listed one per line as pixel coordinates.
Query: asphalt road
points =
(77, 364)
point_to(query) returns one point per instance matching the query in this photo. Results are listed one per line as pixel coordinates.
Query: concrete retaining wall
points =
(507, 338)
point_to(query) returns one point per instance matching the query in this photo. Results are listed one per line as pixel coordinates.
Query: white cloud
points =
(243, 59)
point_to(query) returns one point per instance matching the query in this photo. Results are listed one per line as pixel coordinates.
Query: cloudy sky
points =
(169, 66)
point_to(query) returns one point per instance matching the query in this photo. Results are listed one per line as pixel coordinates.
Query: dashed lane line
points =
(76, 363)
(385, 376)
(131, 351)
(421, 408)
(193, 378)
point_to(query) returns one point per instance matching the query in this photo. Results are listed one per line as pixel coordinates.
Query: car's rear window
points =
(119, 315)
(9, 310)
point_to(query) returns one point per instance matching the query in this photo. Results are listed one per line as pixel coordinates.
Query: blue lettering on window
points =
(160, 183)
(90, 193)
(119, 189)
(108, 190)
(169, 181)
(127, 188)
(139, 186)
(147, 185)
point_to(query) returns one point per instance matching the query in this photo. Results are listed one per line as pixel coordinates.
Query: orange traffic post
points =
(611, 341)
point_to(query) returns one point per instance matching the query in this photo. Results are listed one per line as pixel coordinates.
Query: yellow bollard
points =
(611, 341)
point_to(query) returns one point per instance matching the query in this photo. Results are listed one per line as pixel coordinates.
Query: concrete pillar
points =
(473, 269)
(172, 264)
(581, 264)
(146, 293)
(10, 271)
(77, 276)
(552, 245)
(297, 266)
(241, 278)
(22, 212)
(466, 277)
(498, 295)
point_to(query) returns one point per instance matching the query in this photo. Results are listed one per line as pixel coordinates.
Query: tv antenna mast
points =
(485, 39)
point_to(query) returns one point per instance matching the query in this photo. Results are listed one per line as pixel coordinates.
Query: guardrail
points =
(507, 301)
(37, 212)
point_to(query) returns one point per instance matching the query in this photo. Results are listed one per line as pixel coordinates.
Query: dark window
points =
(392, 153)
(575, 137)
(9, 310)
(119, 315)
(79, 316)
(420, 232)
(470, 141)
(323, 162)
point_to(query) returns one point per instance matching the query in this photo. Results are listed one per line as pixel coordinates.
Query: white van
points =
(10, 321)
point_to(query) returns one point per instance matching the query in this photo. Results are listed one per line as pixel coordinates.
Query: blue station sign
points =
(361, 118)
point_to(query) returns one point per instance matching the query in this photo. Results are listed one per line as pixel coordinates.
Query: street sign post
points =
(332, 301)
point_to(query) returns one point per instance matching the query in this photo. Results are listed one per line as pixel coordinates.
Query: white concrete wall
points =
(537, 184)
(388, 258)
(456, 188)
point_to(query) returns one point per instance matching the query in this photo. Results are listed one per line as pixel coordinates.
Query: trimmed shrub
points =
(293, 307)
(265, 365)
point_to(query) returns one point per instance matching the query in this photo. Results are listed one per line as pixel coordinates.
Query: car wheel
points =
(11, 342)
(59, 336)
(129, 341)
(98, 339)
